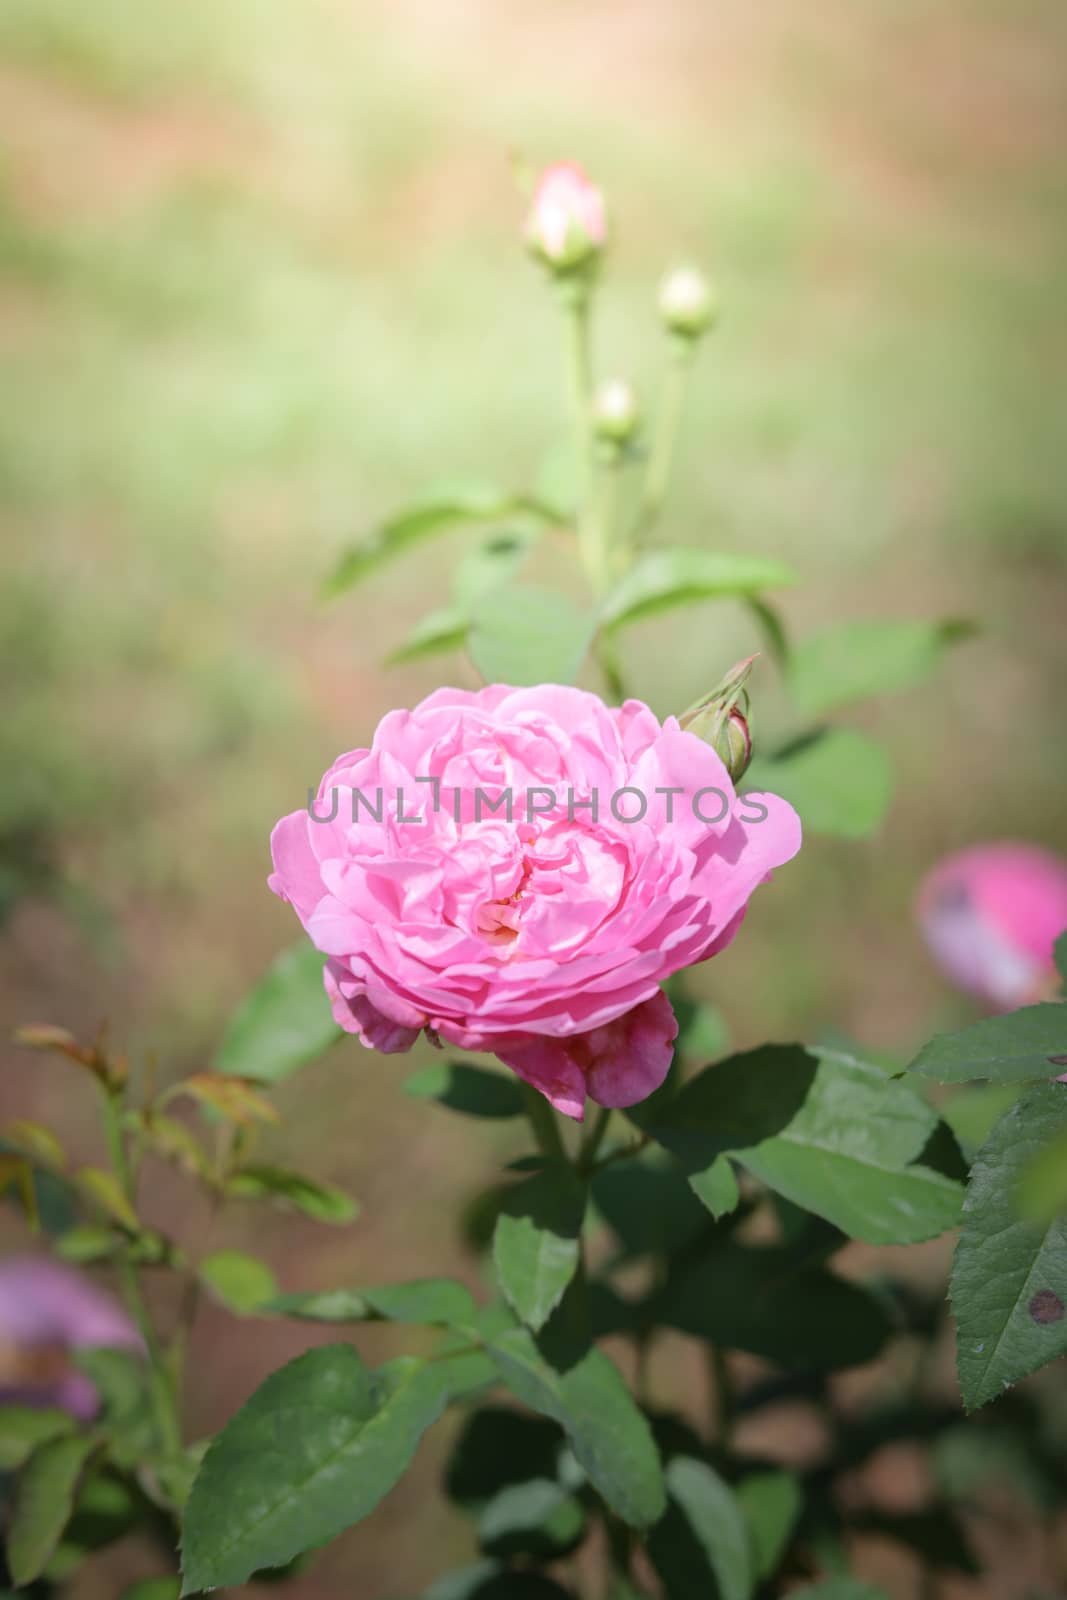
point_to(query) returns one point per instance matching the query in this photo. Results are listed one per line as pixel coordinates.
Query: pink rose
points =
(617, 853)
(566, 224)
(990, 916)
(46, 1311)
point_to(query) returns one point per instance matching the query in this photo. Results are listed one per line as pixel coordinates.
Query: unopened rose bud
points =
(566, 226)
(687, 302)
(721, 720)
(615, 411)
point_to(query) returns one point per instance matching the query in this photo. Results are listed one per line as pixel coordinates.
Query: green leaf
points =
(675, 577)
(241, 1283)
(590, 1401)
(23, 1428)
(86, 1242)
(322, 1201)
(1026, 1044)
(771, 1503)
(1043, 1184)
(311, 1453)
(439, 1302)
(849, 1156)
(701, 1547)
(855, 660)
(1009, 1277)
(1059, 955)
(840, 781)
(284, 1023)
(529, 635)
(717, 1188)
(974, 1111)
(433, 635)
(120, 1378)
(735, 1103)
(649, 1207)
(489, 565)
(450, 506)
(473, 1090)
(497, 1448)
(536, 1242)
(44, 1501)
(538, 1519)
(764, 1302)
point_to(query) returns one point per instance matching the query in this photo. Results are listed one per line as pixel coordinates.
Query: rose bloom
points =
(46, 1311)
(543, 939)
(566, 224)
(990, 916)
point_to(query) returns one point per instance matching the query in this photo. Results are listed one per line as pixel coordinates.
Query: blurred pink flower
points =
(46, 1311)
(566, 224)
(990, 916)
(541, 930)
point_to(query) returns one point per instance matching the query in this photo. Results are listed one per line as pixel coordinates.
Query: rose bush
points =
(542, 937)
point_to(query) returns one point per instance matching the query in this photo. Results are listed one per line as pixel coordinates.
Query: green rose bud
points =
(687, 303)
(615, 411)
(721, 720)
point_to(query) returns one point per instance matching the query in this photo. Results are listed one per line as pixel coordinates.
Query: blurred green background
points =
(261, 279)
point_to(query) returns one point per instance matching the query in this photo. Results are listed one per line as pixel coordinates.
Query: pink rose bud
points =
(518, 871)
(566, 226)
(721, 720)
(48, 1310)
(615, 411)
(687, 302)
(990, 917)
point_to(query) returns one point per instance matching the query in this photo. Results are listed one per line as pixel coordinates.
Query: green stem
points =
(574, 300)
(542, 1120)
(593, 1140)
(164, 1398)
(722, 1394)
(665, 439)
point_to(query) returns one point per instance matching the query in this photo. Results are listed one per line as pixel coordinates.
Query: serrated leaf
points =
(840, 781)
(849, 1155)
(38, 1143)
(536, 1242)
(854, 660)
(1043, 1184)
(448, 507)
(44, 1500)
(529, 635)
(24, 1428)
(701, 1547)
(433, 635)
(475, 1091)
(679, 576)
(240, 1282)
(1021, 1046)
(649, 1207)
(284, 1022)
(590, 1401)
(771, 1503)
(436, 1301)
(763, 1301)
(236, 1099)
(105, 1190)
(1009, 1275)
(311, 1453)
(325, 1202)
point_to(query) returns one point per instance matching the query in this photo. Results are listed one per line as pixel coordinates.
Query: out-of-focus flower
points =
(990, 916)
(565, 858)
(687, 302)
(615, 411)
(48, 1310)
(566, 225)
(721, 719)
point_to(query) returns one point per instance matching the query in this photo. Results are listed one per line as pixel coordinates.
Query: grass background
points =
(261, 280)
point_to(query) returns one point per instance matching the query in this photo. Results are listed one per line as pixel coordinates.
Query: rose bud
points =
(566, 226)
(721, 720)
(990, 917)
(615, 411)
(687, 303)
(48, 1310)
